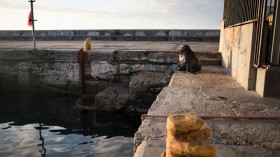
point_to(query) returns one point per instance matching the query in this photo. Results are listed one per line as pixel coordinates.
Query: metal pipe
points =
(82, 69)
(220, 117)
(33, 26)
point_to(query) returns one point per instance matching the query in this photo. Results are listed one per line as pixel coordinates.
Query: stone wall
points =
(122, 35)
(59, 70)
(236, 46)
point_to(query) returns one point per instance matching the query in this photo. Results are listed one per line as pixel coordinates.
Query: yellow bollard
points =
(186, 135)
(184, 123)
(87, 44)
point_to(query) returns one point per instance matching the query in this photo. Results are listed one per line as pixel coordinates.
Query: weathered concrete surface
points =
(267, 84)
(116, 61)
(147, 82)
(86, 102)
(138, 97)
(151, 149)
(212, 92)
(124, 35)
(237, 47)
(112, 98)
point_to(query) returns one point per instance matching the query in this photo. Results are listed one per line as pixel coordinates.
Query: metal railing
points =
(265, 33)
(240, 11)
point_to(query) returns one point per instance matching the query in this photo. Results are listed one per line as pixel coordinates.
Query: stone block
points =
(103, 70)
(86, 102)
(95, 87)
(73, 71)
(125, 69)
(112, 98)
(195, 33)
(14, 33)
(52, 33)
(8, 67)
(174, 33)
(144, 81)
(28, 34)
(92, 88)
(24, 66)
(128, 34)
(131, 55)
(102, 55)
(160, 34)
(3, 33)
(140, 33)
(94, 34)
(163, 57)
(39, 55)
(43, 34)
(65, 33)
(267, 84)
(15, 54)
(65, 55)
(149, 67)
(213, 33)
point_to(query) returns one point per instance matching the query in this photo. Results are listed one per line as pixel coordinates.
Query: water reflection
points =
(43, 126)
(42, 151)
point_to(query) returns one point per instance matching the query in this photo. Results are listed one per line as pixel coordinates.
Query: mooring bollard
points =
(186, 136)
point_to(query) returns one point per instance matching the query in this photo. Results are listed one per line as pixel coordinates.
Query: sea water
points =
(34, 125)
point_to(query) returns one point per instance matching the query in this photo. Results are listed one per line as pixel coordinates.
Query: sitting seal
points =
(187, 59)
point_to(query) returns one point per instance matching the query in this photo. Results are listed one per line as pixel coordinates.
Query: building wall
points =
(236, 46)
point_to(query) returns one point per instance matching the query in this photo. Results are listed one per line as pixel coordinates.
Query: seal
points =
(187, 59)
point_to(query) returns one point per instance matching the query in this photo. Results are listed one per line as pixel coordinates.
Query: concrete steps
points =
(211, 61)
(213, 58)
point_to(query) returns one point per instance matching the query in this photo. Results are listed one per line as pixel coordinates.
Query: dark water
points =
(36, 125)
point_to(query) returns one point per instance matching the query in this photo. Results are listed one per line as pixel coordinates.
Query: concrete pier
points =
(54, 68)
(213, 92)
(123, 66)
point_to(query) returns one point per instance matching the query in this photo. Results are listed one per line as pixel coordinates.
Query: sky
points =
(112, 14)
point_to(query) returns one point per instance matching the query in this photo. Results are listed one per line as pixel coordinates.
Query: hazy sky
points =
(112, 14)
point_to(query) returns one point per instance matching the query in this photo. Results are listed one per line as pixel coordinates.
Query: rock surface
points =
(147, 82)
(112, 98)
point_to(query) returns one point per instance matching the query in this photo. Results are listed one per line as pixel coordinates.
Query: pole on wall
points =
(33, 26)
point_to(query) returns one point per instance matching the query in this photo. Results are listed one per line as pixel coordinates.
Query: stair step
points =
(208, 54)
(210, 61)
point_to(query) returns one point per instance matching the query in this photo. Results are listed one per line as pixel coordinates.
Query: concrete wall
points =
(59, 69)
(236, 46)
(267, 84)
(135, 35)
